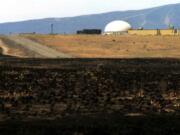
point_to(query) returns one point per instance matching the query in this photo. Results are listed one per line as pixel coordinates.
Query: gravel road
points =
(41, 50)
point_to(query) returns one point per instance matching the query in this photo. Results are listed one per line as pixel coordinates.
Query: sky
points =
(17, 10)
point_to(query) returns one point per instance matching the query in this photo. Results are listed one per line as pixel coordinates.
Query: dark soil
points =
(89, 96)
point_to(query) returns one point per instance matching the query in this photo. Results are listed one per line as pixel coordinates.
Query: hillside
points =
(158, 17)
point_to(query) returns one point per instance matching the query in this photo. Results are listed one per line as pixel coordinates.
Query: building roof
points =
(117, 26)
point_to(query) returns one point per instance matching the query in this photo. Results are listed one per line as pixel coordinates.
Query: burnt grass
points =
(89, 96)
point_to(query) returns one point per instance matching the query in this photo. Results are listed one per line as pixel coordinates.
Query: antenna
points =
(52, 28)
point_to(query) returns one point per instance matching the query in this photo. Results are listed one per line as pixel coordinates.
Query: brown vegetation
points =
(93, 46)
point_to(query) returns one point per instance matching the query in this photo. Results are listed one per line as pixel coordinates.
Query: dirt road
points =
(3, 49)
(41, 50)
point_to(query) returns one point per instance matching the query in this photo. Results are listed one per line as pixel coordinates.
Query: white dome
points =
(117, 26)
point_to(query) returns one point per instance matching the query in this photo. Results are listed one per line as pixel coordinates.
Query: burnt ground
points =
(89, 96)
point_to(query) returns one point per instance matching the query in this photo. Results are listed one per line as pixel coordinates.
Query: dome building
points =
(117, 27)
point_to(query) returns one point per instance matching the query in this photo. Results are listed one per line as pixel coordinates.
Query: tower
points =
(52, 28)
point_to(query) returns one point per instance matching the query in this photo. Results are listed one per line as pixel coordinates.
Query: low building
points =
(142, 32)
(89, 31)
(154, 32)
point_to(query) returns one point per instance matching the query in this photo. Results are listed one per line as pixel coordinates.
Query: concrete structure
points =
(142, 32)
(117, 27)
(163, 32)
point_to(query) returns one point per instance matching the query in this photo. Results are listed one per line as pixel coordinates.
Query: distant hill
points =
(158, 17)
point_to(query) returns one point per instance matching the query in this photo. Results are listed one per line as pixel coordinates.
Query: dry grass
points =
(91, 46)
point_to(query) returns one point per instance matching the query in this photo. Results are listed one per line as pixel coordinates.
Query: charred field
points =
(89, 96)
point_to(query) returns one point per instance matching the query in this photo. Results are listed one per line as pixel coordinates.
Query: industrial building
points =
(154, 32)
(89, 31)
(120, 27)
(117, 27)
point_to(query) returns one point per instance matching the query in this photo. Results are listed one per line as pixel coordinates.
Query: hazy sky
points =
(15, 10)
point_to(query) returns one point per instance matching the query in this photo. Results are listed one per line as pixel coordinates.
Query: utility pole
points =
(52, 28)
